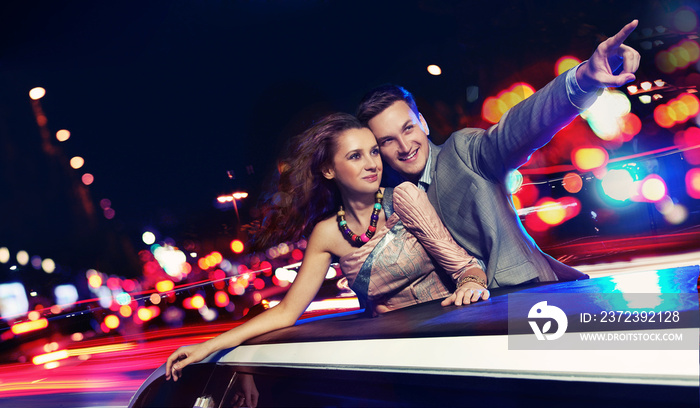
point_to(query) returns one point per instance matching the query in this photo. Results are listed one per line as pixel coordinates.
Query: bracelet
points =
(471, 278)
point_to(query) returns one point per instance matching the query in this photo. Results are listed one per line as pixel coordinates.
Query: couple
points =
(390, 240)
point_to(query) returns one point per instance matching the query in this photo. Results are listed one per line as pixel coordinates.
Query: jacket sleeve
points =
(419, 218)
(523, 129)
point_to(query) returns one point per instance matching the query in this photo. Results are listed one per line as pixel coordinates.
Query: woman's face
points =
(356, 165)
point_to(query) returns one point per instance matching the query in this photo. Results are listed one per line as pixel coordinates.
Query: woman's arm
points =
(311, 274)
(419, 217)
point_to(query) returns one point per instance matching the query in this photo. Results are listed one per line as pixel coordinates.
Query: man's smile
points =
(409, 156)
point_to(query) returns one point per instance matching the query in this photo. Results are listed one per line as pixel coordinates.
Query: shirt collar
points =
(425, 179)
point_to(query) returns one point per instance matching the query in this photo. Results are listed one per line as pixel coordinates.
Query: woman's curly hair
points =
(303, 196)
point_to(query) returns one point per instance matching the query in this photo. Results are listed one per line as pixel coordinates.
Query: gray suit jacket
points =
(468, 191)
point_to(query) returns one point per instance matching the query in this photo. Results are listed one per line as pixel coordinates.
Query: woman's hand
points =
(247, 392)
(183, 357)
(467, 293)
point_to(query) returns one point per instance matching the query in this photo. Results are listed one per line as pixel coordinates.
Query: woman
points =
(336, 163)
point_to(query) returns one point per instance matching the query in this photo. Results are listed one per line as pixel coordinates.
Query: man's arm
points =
(532, 123)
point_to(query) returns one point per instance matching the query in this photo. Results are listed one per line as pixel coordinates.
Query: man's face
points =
(402, 138)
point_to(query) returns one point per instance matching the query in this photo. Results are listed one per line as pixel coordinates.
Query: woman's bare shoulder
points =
(326, 234)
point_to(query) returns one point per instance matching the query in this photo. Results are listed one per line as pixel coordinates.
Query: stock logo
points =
(543, 311)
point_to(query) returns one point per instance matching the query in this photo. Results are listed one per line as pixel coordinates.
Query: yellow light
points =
(95, 281)
(589, 158)
(551, 212)
(33, 315)
(165, 285)
(112, 321)
(565, 63)
(48, 357)
(4, 255)
(48, 265)
(22, 257)
(632, 89)
(197, 302)
(144, 314)
(434, 70)
(37, 93)
(646, 85)
(25, 327)
(77, 162)
(237, 246)
(221, 299)
(62, 135)
(239, 195)
(125, 311)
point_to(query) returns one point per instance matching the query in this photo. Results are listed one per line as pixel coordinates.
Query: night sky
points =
(172, 103)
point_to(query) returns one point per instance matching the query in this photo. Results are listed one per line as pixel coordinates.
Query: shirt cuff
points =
(577, 96)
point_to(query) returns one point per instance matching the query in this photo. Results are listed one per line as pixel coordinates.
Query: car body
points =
(429, 355)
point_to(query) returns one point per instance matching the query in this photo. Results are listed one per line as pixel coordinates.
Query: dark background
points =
(172, 103)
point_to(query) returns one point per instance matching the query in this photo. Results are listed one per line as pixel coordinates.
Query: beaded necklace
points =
(361, 239)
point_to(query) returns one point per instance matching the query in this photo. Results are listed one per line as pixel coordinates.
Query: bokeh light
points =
(572, 183)
(88, 179)
(514, 180)
(95, 281)
(148, 238)
(48, 265)
(587, 158)
(685, 20)
(677, 110)
(22, 257)
(677, 57)
(144, 314)
(565, 63)
(154, 298)
(62, 135)
(551, 212)
(495, 107)
(618, 184)
(77, 162)
(198, 302)
(434, 70)
(237, 246)
(37, 93)
(165, 285)
(692, 182)
(653, 188)
(109, 213)
(631, 126)
(112, 321)
(605, 115)
(221, 299)
(126, 311)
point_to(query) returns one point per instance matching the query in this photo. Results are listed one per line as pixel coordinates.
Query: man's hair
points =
(380, 98)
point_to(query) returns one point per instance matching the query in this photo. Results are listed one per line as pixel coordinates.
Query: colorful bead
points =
(361, 239)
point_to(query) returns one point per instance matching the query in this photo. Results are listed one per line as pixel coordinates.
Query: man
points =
(464, 177)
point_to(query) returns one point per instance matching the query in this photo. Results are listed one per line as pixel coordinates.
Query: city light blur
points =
(96, 292)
